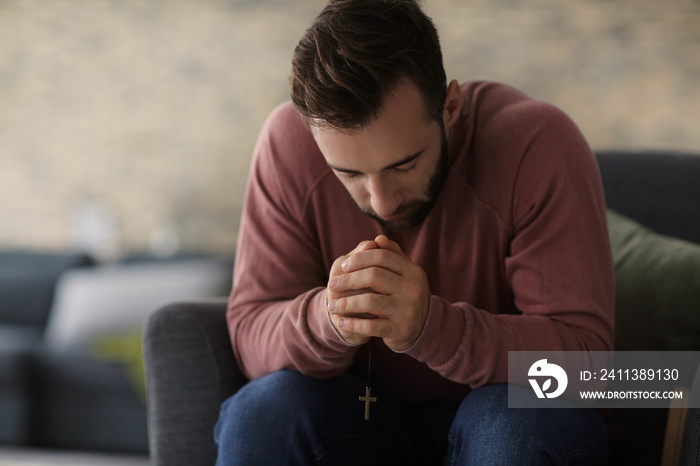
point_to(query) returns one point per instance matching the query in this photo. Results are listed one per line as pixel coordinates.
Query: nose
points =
(384, 198)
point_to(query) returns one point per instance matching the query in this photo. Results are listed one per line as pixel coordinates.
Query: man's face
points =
(394, 167)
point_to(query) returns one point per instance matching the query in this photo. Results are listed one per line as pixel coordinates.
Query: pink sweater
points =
(515, 249)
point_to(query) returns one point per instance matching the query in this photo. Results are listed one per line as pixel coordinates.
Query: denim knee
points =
(259, 400)
(262, 420)
(486, 431)
(286, 418)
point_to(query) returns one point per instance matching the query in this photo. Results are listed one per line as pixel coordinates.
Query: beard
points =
(415, 212)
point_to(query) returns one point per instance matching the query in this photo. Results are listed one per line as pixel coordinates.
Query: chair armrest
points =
(190, 371)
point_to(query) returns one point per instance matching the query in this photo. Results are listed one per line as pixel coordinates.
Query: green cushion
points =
(125, 349)
(657, 303)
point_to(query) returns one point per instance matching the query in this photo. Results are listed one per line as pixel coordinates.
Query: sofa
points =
(71, 371)
(27, 289)
(654, 222)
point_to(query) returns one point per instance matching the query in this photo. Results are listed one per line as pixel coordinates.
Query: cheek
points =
(416, 187)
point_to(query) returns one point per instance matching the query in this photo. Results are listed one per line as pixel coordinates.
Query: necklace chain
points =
(368, 398)
(369, 361)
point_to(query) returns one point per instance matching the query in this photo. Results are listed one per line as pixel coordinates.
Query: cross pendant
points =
(367, 399)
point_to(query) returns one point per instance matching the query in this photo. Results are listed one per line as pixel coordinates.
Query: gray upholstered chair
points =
(191, 368)
(190, 371)
(690, 446)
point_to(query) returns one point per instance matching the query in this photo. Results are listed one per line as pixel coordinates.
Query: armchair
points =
(191, 369)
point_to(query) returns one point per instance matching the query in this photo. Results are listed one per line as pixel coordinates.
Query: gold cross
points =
(367, 399)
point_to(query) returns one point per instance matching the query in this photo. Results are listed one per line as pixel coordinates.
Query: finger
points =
(359, 326)
(337, 268)
(367, 305)
(333, 295)
(385, 243)
(376, 279)
(365, 246)
(382, 258)
(349, 337)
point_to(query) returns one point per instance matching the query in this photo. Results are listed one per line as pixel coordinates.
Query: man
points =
(400, 235)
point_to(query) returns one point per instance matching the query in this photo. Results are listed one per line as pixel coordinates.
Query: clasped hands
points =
(376, 291)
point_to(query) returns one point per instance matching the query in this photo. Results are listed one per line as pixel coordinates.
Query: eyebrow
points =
(403, 161)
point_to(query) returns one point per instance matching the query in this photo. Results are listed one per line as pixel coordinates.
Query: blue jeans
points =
(288, 418)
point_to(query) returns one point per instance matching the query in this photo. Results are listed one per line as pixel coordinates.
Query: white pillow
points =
(106, 300)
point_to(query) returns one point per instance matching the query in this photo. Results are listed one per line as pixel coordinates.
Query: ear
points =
(453, 104)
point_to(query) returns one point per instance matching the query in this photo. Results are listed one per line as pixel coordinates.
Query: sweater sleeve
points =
(559, 267)
(277, 313)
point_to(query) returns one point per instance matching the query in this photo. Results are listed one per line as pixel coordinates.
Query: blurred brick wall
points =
(129, 125)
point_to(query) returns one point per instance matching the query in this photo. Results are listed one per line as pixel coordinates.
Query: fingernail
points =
(332, 305)
(341, 322)
(345, 264)
(334, 281)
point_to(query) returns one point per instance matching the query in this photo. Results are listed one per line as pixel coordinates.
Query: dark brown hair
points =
(356, 52)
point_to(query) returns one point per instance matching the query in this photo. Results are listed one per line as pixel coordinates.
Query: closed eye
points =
(350, 175)
(406, 168)
(402, 166)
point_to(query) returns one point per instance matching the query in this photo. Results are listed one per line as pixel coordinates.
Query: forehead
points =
(402, 128)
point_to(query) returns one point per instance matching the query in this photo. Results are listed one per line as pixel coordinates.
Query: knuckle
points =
(384, 255)
(419, 285)
(374, 275)
(333, 280)
(369, 300)
(415, 292)
(379, 301)
(341, 305)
